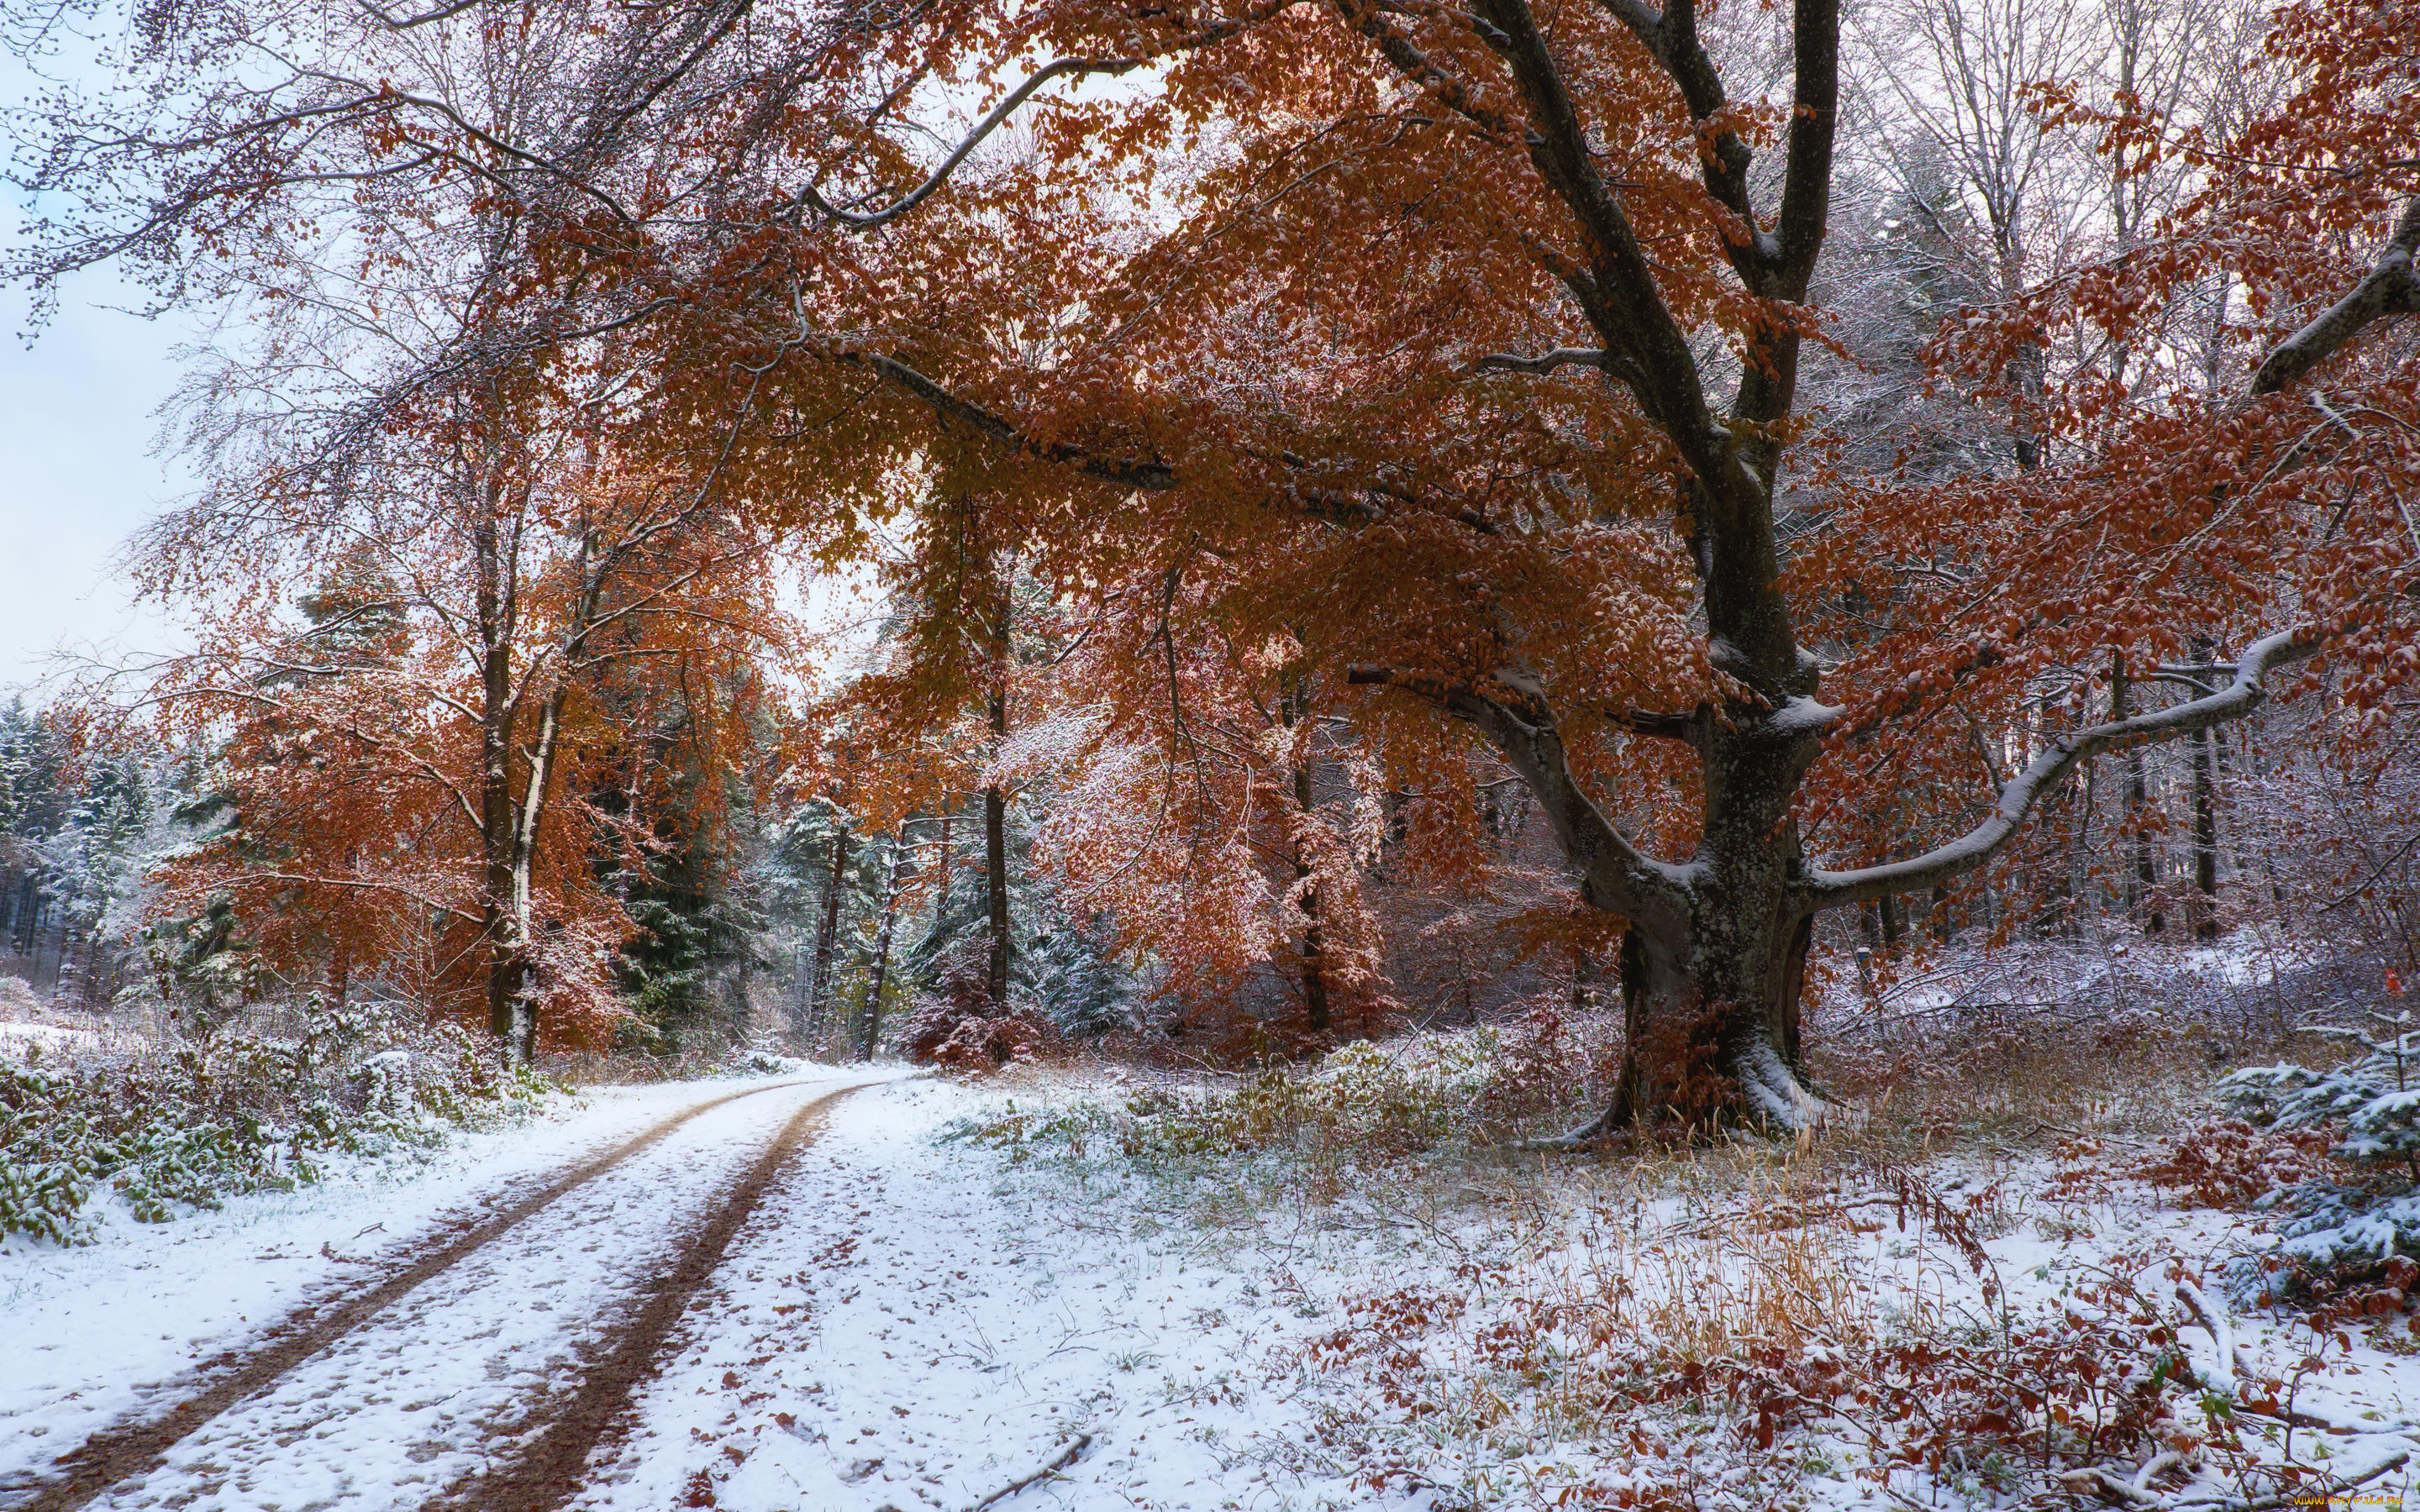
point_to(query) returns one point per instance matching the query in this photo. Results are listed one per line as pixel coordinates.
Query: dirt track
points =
(537, 1477)
(552, 1467)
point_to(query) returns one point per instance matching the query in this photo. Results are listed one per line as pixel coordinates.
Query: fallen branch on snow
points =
(1076, 1446)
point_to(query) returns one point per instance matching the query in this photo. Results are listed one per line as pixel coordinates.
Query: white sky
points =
(77, 477)
(78, 412)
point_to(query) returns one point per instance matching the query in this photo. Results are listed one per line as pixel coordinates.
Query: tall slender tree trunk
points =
(870, 1022)
(506, 964)
(2205, 802)
(2205, 814)
(2141, 891)
(941, 862)
(828, 928)
(996, 866)
(2079, 848)
(529, 817)
(802, 956)
(1292, 709)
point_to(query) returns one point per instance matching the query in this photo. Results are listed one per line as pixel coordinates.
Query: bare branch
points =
(405, 24)
(2022, 793)
(868, 221)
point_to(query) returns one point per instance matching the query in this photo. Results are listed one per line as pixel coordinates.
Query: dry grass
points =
(1738, 1323)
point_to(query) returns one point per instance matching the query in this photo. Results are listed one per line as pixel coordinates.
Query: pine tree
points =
(2375, 1099)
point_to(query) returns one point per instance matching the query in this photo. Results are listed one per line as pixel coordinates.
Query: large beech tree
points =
(1469, 355)
(1463, 346)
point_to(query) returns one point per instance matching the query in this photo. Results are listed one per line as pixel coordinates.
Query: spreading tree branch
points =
(1559, 357)
(2023, 792)
(2392, 287)
(1151, 477)
(1615, 874)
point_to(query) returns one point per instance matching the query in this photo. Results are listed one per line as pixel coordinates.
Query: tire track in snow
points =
(138, 1446)
(552, 1466)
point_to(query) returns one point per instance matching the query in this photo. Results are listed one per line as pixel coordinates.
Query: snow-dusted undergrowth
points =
(1858, 1320)
(167, 1126)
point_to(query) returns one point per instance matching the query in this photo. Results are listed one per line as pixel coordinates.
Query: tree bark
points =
(941, 882)
(2204, 801)
(828, 928)
(870, 1022)
(1290, 710)
(2143, 880)
(2204, 812)
(1715, 950)
(505, 964)
(995, 867)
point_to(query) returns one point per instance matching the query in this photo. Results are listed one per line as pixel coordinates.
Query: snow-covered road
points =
(431, 1390)
(879, 1324)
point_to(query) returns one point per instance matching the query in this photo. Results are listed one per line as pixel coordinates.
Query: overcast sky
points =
(77, 477)
(77, 474)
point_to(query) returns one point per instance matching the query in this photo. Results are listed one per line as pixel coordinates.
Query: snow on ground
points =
(910, 1327)
(923, 1325)
(908, 1323)
(97, 1330)
(19, 1038)
(899, 1326)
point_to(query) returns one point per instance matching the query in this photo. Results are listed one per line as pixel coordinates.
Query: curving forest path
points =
(811, 1294)
(479, 1364)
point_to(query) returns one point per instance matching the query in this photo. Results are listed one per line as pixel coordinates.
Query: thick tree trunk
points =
(1710, 983)
(1711, 1032)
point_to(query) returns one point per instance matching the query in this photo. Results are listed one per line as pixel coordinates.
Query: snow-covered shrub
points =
(173, 1126)
(2373, 1213)
(2099, 1397)
(1363, 1100)
(974, 1043)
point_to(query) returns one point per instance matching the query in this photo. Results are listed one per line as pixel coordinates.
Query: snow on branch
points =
(1833, 889)
(2392, 287)
(1559, 357)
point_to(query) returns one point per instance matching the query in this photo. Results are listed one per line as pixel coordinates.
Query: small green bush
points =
(172, 1127)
